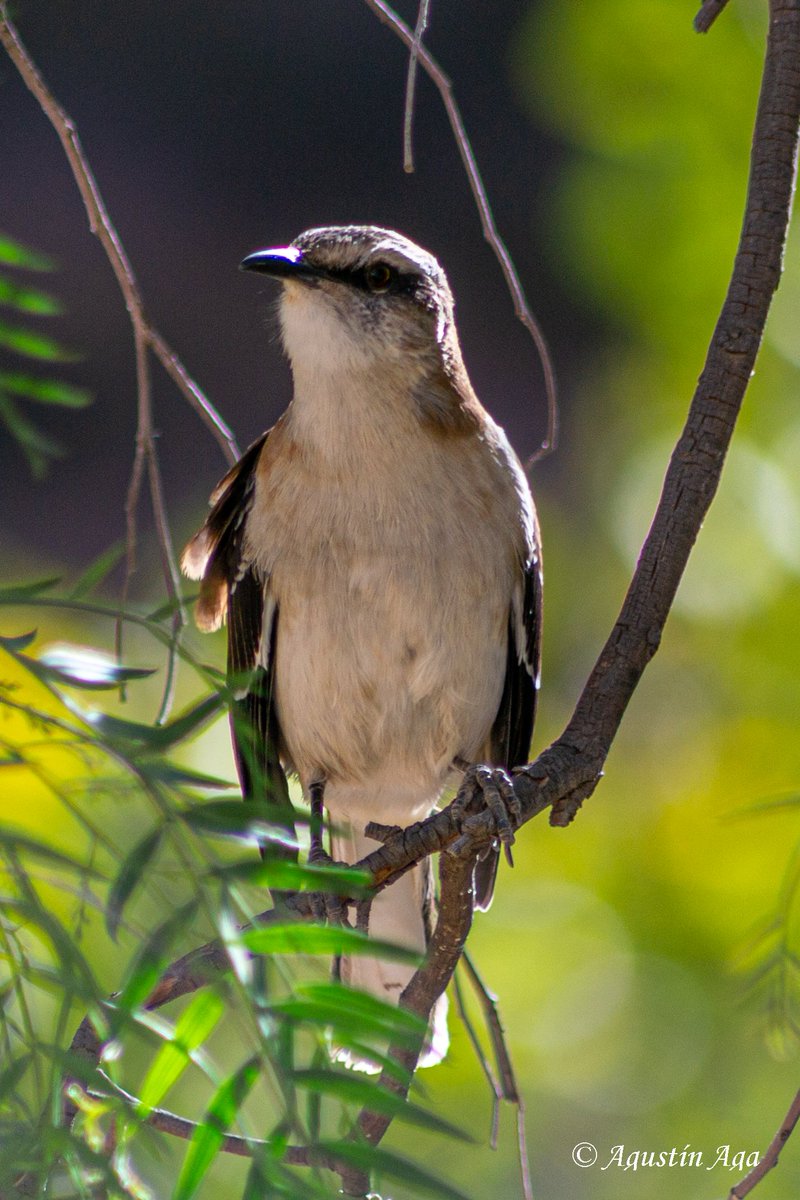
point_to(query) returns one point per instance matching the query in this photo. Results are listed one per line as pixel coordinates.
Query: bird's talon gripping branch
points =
(486, 790)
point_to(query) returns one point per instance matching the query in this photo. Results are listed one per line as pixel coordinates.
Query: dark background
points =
(213, 130)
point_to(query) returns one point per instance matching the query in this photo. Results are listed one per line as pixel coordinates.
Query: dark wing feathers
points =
(230, 585)
(513, 727)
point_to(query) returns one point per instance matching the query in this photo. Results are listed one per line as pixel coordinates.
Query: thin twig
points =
(197, 400)
(182, 1127)
(522, 1152)
(145, 337)
(488, 1003)
(485, 1065)
(411, 83)
(771, 1154)
(523, 312)
(708, 14)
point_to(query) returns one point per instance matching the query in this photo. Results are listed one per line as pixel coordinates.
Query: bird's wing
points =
(513, 726)
(231, 586)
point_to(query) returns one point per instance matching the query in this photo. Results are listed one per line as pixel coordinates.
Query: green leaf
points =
(34, 345)
(11, 1076)
(19, 842)
(74, 970)
(207, 1139)
(15, 254)
(129, 876)
(20, 642)
(234, 818)
(37, 446)
(347, 1025)
(193, 1028)
(97, 571)
(83, 667)
(28, 300)
(146, 969)
(353, 1088)
(164, 771)
(268, 1177)
(155, 737)
(365, 1004)
(19, 593)
(44, 391)
(170, 607)
(767, 804)
(373, 1158)
(278, 873)
(302, 938)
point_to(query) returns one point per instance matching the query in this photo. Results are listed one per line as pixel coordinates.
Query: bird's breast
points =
(393, 593)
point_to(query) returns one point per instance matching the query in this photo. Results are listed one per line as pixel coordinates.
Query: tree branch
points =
(771, 1154)
(430, 66)
(145, 338)
(708, 14)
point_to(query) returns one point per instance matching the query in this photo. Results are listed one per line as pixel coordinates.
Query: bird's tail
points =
(402, 913)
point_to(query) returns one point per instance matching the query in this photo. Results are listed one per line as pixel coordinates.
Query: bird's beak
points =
(283, 262)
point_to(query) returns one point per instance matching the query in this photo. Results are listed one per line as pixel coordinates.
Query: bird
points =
(376, 555)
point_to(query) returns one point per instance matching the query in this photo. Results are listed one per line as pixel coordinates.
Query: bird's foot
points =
(487, 789)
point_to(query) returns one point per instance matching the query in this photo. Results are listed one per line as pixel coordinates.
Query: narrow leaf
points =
(233, 818)
(207, 1139)
(33, 345)
(19, 842)
(11, 1076)
(364, 1003)
(172, 773)
(193, 1028)
(19, 593)
(84, 667)
(373, 1158)
(302, 938)
(97, 571)
(352, 1026)
(278, 873)
(28, 300)
(36, 445)
(353, 1088)
(15, 254)
(19, 642)
(130, 875)
(156, 737)
(152, 958)
(74, 970)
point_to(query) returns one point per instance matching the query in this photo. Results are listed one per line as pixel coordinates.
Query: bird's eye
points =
(379, 277)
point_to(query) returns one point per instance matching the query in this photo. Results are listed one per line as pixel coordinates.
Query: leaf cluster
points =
(28, 350)
(77, 1111)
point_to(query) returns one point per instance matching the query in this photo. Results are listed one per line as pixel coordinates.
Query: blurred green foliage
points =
(25, 342)
(645, 958)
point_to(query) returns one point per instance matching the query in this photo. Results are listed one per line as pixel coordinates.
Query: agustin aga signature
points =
(585, 1154)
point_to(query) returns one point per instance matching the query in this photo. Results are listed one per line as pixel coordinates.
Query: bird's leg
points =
(489, 788)
(316, 793)
(325, 906)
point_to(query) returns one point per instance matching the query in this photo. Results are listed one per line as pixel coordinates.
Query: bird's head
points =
(357, 297)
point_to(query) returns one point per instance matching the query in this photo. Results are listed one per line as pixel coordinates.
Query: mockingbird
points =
(376, 555)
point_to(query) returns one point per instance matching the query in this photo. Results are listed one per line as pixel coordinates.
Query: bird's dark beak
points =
(283, 262)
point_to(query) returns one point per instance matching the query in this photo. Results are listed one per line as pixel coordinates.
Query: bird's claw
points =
(486, 789)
